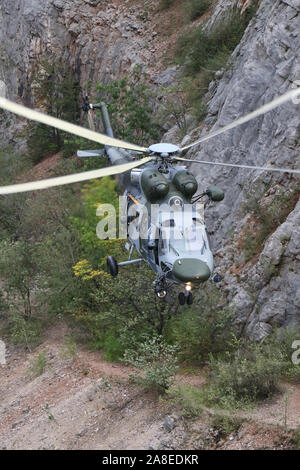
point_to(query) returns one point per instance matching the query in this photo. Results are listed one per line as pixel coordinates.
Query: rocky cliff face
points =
(99, 40)
(264, 291)
(102, 40)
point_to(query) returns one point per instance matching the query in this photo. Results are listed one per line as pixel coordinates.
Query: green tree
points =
(56, 90)
(130, 104)
(19, 273)
(124, 308)
(11, 206)
(94, 193)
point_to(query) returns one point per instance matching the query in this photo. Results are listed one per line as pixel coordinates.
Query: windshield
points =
(188, 238)
(192, 240)
(183, 231)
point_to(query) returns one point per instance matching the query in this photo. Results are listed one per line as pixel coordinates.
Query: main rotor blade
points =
(259, 112)
(75, 178)
(232, 165)
(66, 126)
(90, 153)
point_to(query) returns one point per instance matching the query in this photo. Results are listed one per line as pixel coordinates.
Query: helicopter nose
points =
(190, 270)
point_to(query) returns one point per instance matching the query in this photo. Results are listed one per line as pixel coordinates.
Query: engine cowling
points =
(185, 182)
(154, 185)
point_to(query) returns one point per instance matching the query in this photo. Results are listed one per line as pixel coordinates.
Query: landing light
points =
(188, 287)
(161, 294)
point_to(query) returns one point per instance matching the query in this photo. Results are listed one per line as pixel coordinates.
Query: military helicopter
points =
(172, 239)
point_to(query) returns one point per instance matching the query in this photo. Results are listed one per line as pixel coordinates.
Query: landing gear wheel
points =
(189, 298)
(112, 266)
(181, 298)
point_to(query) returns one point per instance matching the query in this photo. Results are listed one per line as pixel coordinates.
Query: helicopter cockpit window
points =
(182, 231)
(190, 237)
(191, 241)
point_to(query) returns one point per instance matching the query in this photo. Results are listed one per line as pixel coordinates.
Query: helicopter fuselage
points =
(160, 220)
(164, 227)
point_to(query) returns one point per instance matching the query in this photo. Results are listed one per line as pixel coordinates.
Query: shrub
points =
(113, 347)
(196, 8)
(69, 351)
(38, 365)
(20, 274)
(267, 217)
(225, 424)
(156, 363)
(204, 53)
(190, 399)
(202, 329)
(244, 376)
(94, 193)
(175, 104)
(196, 47)
(281, 342)
(23, 331)
(250, 375)
(179, 100)
(296, 439)
(250, 245)
(199, 110)
(165, 4)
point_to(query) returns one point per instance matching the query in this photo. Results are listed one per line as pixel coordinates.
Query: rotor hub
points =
(164, 149)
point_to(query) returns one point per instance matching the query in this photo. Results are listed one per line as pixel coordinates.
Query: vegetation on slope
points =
(203, 52)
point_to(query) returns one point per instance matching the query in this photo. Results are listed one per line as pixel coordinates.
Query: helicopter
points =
(161, 220)
(172, 239)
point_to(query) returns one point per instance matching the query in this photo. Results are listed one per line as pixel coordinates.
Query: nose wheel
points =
(185, 298)
(189, 298)
(217, 278)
